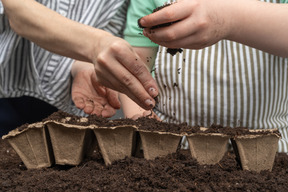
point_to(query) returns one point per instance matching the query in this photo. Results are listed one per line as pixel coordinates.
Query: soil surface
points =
(176, 172)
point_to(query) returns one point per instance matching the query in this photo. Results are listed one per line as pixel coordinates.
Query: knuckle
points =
(171, 36)
(148, 84)
(116, 47)
(169, 14)
(101, 58)
(202, 24)
(127, 80)
(138, 69)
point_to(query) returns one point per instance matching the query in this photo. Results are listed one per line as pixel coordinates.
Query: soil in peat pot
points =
(175, 172)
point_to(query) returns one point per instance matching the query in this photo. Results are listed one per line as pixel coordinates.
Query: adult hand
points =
(119, 67)
(89, 95)
(196, 24)
(201, 23)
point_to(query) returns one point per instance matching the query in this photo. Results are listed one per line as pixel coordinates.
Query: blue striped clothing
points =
(27, 69)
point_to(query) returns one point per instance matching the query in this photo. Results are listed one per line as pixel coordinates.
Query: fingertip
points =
(141, 22)
(153, 92)
(89, 106)
(88, 109)
(79, 102)
(149, 103)
(108, 112)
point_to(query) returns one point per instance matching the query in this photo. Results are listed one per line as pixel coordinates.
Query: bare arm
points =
(115, 61)
(51, 30)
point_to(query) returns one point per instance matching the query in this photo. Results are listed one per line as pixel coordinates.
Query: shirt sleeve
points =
(136, 10)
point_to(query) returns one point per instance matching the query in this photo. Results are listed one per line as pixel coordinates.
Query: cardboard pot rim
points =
(208, 134)
(16, 131)
(67, 125)
(163, 132)
(255, 136)
(114, 127)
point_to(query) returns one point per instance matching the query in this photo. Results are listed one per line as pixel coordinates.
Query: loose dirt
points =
(176, 172)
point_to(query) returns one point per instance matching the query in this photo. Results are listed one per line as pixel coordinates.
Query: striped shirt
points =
(27, 69)
(228, 84)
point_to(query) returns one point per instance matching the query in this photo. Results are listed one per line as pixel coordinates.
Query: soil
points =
(175, 172)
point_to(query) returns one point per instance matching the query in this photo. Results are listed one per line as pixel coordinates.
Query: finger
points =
(138, 69)
(151, 114)
(100, 89)
(167, 14)
(141, 100)
(125, 63)
(122, 80)
(113, 99)
(108, 111)
(168, 36)
(89, 106)
(79, 102)
(195, 41)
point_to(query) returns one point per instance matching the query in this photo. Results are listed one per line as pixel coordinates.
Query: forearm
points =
(260, 25)
(51, 30)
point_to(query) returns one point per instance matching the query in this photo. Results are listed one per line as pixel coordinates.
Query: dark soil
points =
(150, 124)
(177, 172)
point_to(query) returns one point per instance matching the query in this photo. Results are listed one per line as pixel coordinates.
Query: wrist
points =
(98, 44)
(232, 17)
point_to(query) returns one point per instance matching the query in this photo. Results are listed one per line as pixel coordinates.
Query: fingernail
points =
(140, 22)
(153, 92)
(149, 103)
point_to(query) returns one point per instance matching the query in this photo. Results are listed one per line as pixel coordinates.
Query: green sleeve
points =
(284, 1)
(136, 10)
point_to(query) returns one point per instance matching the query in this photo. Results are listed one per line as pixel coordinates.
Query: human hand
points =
(149, 114)
(133, 111)
(120, 68)
(195, 24)
(89, 95)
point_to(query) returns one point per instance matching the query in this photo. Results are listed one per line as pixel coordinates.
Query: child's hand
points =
(149, 114)
(89, 95)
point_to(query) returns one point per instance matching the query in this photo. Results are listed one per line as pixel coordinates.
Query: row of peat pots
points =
(44, 144)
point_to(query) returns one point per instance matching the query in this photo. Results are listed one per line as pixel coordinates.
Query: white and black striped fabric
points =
(27, 69)
(228, 84)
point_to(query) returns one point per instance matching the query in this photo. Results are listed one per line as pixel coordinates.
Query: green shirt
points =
(228, 83)
(133, 33)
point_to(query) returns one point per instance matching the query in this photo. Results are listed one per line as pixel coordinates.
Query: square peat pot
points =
(115, 143)
(70, 143)
(208, 148)
(256, 152)
(159, 144)
(32, 144)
